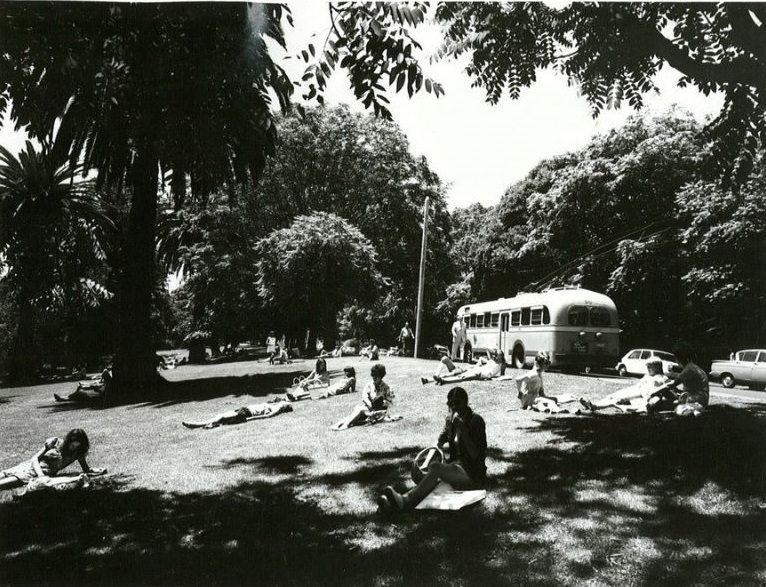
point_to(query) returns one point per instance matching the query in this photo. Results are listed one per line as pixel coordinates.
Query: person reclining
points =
(90, 389)
(345, 385)
(633, 398)
(243, 414)
(279, 356)
(376, 398)
(55, 455)
(464, 431)
(445, 368)
(484, 369)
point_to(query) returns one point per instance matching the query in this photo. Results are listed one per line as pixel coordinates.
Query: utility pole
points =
(421, 281)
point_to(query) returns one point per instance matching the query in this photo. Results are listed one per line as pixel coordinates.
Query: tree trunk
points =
(23, 358)
(134, 369)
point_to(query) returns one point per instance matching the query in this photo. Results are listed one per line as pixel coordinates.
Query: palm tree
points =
(142, 91)
(53, 229)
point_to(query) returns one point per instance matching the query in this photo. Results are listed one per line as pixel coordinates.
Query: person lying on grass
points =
(243, 414)
(633, 398)
(376, 398)
(696, 394)
(89, 390)
(55, 455)
(464, 431)
(487, 368)
(445, 368)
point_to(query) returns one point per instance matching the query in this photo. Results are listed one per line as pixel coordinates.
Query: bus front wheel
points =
(518, 357)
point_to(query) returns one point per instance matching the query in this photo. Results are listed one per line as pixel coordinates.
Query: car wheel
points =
(622, 371)
(727, 380)
(518, 357)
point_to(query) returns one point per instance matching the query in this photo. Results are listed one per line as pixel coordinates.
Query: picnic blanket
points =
(445, 497)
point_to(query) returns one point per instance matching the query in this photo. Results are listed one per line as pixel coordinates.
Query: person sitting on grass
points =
(464, 431)
(530, 385)
(633, 398)
(319, 377)
(279, 356)
(486, 368)
(696, 394)
(55, 455)
(376, 398)
(345, 385)
(445, 368)
(371, 351)
(243, 414)
(89, 390)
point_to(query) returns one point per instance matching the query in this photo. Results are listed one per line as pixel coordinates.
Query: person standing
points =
(406, 338)
(457, 334)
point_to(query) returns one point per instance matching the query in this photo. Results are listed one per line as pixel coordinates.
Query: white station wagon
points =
(634, 362)
(748, 366)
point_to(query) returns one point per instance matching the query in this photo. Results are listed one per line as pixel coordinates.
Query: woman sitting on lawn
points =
(243, 414)
(345, 385)
(279, 356)
(319, 377)
(530, 385)
(484, 369)
(633, 398)
(371, 351)
(55, 455)
(376, 398)
(89, 390)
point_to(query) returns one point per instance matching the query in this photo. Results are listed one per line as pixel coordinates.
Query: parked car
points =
(634, 362)
(748, 366)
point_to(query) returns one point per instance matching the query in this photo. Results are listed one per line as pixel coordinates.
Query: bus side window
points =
(487, 318)
(537, 316)
(546, 315)
(495, 320)
(472, 321)
(516, 318)
(525, 316)
(504, 327)
(479, 320)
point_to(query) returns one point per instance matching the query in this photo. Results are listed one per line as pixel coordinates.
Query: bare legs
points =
(453, 474)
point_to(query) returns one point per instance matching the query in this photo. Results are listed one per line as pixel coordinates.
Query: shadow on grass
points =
(675, 495)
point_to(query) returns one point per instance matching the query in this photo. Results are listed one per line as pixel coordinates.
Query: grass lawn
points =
(577, 500)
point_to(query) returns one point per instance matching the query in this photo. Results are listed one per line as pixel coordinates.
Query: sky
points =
(477, 149)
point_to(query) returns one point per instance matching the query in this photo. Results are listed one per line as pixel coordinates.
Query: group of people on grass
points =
(463, 433)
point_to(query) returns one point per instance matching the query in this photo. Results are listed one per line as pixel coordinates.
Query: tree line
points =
(156, 98)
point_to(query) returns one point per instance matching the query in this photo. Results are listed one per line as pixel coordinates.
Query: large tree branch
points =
(748, 35)
(740, 71)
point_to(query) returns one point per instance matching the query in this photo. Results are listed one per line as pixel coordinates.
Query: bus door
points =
(504, 341)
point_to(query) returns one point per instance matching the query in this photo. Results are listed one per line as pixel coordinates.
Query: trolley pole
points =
(421, 281)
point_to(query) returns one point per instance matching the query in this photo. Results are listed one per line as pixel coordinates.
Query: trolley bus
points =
(577, 327)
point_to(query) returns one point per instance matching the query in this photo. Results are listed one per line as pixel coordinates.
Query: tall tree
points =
(309, 270)
(54, 234)
(146, 93)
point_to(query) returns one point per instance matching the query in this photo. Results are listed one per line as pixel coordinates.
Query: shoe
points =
(423, 380)
(394, 497)
(439, 380)
(586, 404)
(384, 506)
(58, 398)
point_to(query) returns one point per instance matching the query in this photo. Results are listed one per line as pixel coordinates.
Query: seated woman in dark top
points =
(465, 433)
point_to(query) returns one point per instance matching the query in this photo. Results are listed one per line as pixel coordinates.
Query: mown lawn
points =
(577, 500)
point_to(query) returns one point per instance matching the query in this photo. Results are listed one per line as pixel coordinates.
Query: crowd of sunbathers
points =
(463, 431)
